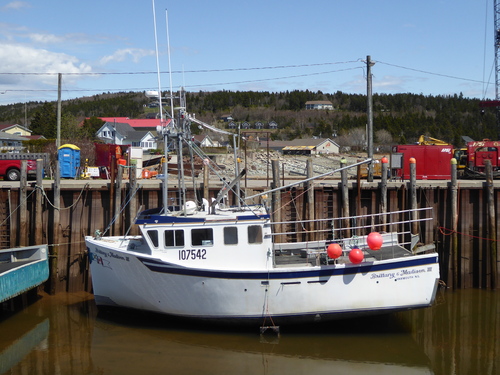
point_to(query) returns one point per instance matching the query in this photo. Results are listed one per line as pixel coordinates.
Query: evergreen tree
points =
(44, 121)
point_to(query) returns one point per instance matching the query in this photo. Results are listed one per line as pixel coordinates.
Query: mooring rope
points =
(448, 232)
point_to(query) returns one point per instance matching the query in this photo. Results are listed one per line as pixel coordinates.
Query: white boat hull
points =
(285, 294)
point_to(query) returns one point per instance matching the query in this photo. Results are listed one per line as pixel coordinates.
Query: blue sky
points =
(432, 47)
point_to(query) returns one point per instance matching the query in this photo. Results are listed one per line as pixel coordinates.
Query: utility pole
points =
(369, 125)
(58, 138)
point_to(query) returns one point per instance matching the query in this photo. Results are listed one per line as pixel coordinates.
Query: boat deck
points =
(4, 267)
(317, 257)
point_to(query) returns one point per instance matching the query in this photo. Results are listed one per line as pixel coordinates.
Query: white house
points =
(319, 104)
(123, 134)
(205, 141)
(310, 146)
(11, 142)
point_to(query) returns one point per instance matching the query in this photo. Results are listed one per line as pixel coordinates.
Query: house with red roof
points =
(135, 132)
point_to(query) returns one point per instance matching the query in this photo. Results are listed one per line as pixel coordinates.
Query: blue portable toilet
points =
(69, 160)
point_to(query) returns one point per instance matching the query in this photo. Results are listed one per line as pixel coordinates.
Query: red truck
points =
(10, 169)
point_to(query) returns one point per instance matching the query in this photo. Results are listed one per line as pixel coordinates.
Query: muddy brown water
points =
(67, 334)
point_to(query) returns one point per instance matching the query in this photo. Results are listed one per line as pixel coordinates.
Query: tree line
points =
(402, 117)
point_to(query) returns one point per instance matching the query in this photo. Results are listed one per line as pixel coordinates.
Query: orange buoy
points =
(334, 250)
(356, 255)
(374, 240)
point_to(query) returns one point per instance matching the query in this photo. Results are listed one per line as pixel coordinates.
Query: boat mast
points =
(161, 129)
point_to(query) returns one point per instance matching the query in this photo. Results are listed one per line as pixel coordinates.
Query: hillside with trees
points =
(398, 118)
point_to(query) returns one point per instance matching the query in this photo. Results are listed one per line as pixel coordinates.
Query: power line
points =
(182, 71)
(431, 73)
(192, 86)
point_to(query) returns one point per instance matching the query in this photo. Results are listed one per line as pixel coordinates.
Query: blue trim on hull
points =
(164, 267)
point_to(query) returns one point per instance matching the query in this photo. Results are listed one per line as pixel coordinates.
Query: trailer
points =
(432, 161)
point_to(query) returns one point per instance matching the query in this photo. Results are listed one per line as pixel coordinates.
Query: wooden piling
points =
(310, 200)
(23, 211)
(413, 195)
(383, 193)
(132, 206)
(117, 223)
(345, 197)
(454, 222)
(39, 200)
(276, 197)
(492, 233)
(56, 232)
(206, 178)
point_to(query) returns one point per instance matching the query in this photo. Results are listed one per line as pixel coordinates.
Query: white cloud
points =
(45, 38)
(135, 54)
(24, 59)
(15, 5)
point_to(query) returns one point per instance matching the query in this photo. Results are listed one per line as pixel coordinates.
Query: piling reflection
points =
(66, 334)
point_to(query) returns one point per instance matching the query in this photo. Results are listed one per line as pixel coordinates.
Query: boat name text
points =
(403, 274)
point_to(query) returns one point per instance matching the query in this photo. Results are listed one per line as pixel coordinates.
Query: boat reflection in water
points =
(65, 334)
(120, 348)
(22, 341)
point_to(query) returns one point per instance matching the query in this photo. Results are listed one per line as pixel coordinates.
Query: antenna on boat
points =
(169, 68)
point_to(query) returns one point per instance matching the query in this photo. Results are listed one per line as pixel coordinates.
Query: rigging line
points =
(484, 46)
(426, 72)
(200, 153)
(128, 198)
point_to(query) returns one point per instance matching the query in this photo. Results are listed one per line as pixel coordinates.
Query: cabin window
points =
(254, 234)
(174, 238)
(202, 237)
(153, 236)
(230, 236)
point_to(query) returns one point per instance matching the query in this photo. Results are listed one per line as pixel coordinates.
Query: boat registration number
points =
(192, 254)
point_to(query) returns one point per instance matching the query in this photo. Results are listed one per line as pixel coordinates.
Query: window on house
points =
(174, 238)
(254, 234)
(230, 235)
(202, 237)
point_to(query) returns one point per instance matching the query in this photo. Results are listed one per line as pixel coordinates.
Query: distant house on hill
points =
(319, 104)
(309, 146)
(226, 118)
(16, 129)
(205, 141)
(11, 142)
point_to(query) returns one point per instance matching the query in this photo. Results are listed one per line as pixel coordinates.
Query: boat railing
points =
(404, 223)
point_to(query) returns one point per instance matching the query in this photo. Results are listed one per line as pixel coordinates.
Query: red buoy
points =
(334, 250)
(356, 255)
(374, 240)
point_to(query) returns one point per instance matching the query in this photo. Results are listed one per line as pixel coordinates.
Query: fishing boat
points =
(235, 264)
(209, 260)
